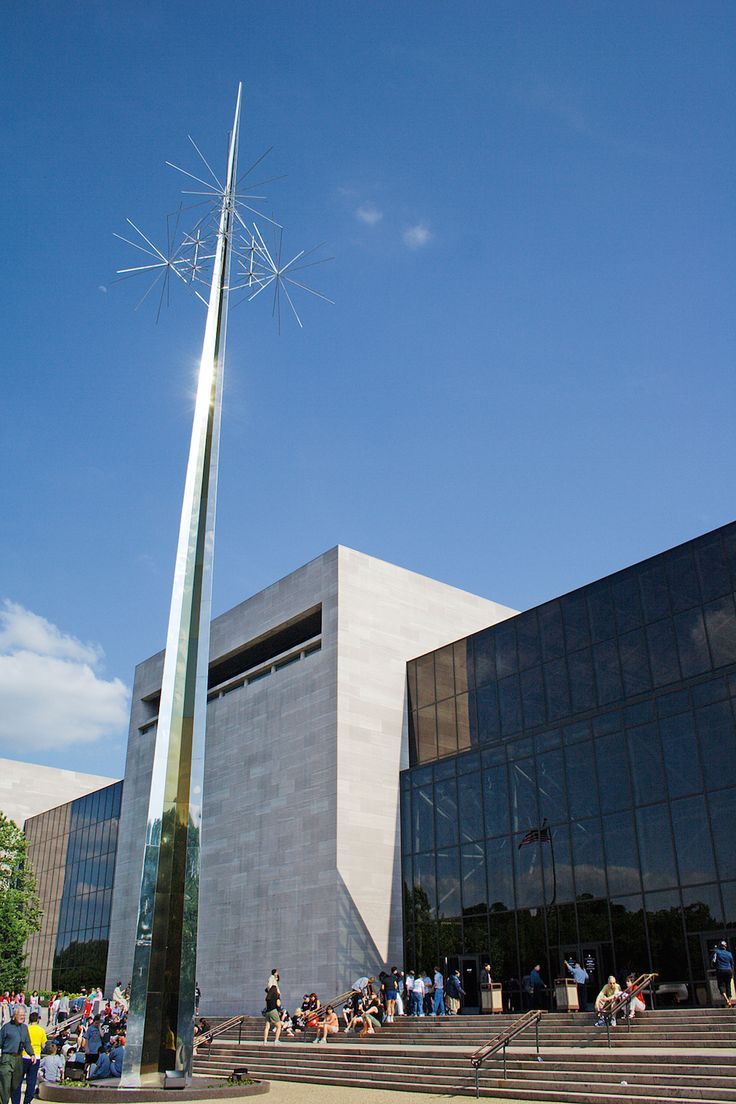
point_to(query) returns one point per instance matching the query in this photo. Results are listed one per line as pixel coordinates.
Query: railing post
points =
(608, 1028)
(536, 1032)
(240, 1031)
(477, 1085)
(504, 1061)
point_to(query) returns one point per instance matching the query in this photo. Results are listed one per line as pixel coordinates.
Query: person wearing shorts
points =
(329, 1026)
(272, 1014)
(392, 994)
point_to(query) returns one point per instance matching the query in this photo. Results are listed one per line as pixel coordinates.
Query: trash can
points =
(491, 997)
(566, 995)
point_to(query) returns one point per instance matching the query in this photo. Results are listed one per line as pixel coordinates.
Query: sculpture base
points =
(110, 1092)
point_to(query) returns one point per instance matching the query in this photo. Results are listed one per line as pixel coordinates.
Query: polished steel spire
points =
(227, 253)
(160, 1022)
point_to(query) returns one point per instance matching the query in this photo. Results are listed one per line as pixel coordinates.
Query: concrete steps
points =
(695, 1065)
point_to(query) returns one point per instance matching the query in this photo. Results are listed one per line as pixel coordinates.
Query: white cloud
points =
(369, 214)
(417, 236)
(51, 693)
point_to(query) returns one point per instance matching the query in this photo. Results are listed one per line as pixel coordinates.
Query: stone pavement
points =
(286, 1092)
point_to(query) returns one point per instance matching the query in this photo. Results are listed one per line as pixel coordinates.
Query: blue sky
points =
(527, 380)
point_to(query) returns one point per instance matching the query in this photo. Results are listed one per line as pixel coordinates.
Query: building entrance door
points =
(596, 959)
(469, 973)
(708, 943)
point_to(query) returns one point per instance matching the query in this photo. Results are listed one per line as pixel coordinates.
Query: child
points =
(52, 1065)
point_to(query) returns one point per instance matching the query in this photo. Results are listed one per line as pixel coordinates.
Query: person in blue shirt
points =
(439, 992)
(723, 963)
(117, 1054)
(537, 986)
(580, 977)
(94, 1041)
(14, 1041)
(101, 1068)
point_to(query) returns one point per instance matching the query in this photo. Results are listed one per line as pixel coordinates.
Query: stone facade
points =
(27, 789)
(300, 839)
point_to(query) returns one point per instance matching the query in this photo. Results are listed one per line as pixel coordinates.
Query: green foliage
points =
(20, 908)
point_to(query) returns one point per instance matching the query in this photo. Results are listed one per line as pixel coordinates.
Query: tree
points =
(20, 908)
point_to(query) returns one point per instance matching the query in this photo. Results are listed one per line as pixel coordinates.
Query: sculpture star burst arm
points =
(189, 255)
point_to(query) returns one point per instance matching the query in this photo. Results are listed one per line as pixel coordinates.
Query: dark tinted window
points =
(720, 622)
(692, 841)
(527, 633)
(684, 591)
(663, 652)
(691, 643)
(655, 847)
(681, 758)
(506, 662)
(550, 627)
(600, 609)
(607, 672)
(654, 592)
(712, 569)
(627, 603)
(647, 768)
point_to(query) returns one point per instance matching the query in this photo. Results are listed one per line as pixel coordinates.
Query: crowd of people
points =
(83, 1039)
(369, 1005)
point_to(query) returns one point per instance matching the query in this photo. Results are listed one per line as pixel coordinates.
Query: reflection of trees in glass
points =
(82, 963)
(450, 940)
(698, 917)
(416, 904)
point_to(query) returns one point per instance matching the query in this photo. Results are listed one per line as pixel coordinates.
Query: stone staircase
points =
(684, 1055)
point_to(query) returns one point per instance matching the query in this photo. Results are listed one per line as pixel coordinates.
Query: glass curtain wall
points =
(80, 957)
(573, 778)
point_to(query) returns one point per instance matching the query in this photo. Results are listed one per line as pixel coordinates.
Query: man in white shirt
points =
(409, 988)
(439, 993)
(418, 995)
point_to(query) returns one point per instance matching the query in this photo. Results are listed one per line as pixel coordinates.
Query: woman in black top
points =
(272, 1014)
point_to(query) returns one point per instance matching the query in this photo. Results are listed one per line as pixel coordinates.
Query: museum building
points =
(572, 782)
(551, 783)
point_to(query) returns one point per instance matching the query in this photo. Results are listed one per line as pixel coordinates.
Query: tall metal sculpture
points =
(229, 254)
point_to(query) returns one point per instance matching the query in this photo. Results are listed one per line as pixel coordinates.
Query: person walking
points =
(272, 1014)
(38, 1039)
(439, 993)
(723, 963)
(14, 1042)
(454, 991)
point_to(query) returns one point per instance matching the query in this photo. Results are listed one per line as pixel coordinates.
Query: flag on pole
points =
(537, 835)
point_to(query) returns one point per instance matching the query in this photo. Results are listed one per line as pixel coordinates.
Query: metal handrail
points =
(237, 1021)
(72, 1021)
(621, 1001)
(502, 1040)
(226, 1025)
